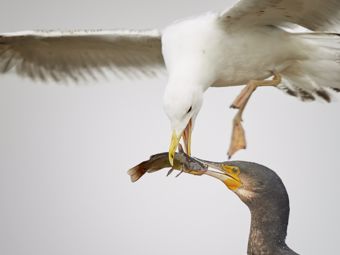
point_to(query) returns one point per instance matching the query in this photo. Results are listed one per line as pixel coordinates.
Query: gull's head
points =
(182, 104)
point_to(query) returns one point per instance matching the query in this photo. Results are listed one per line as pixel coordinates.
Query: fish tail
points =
(155, 163)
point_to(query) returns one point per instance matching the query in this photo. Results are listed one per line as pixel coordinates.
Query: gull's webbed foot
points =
(238, 138)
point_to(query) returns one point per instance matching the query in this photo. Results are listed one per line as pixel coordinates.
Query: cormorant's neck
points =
(269, 221)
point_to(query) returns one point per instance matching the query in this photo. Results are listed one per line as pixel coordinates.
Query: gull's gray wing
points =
(311, 14)
(80, 54)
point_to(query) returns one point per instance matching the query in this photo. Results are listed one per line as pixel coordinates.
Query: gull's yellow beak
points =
(175, 141)
(173, 147)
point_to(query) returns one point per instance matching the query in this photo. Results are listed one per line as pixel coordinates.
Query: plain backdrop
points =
(65, 150)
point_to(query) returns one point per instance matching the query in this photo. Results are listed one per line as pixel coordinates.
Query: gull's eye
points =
(189, 110)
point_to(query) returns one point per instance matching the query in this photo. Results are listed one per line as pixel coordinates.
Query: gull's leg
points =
(248, 90)
(238, 138)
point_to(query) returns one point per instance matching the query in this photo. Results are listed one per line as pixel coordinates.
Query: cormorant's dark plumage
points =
(265, 194)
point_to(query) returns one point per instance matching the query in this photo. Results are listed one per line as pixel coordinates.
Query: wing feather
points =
(311, 14)
(76, 55)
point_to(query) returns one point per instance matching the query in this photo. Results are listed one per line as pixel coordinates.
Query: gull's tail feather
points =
(155, 163)
(318, 73)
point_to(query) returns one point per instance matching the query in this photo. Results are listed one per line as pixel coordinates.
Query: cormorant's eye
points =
(236, 170)
(189, 110)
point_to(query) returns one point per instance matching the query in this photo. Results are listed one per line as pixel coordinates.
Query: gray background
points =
(65, 150)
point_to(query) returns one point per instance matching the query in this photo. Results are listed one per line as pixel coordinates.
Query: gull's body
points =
(202, 52)
(244, 45)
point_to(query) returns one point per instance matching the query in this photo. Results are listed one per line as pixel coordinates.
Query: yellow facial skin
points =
(232, 179)
(228, 174)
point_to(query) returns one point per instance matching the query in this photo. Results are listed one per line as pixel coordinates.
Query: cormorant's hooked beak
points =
(228, 174)
(176, 139)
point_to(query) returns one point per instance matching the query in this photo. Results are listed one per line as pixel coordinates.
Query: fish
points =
(182, 162)
(228, 171)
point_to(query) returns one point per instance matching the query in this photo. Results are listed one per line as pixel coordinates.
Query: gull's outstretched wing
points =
(311, 14)
(80, 54)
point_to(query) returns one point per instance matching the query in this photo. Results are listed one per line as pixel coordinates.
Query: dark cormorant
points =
(260, 188)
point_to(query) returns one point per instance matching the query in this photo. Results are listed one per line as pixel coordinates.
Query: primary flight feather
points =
(79, 54)
(247, 44)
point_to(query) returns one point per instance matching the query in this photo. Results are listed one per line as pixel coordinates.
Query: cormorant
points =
(263, 191)
(259, 187)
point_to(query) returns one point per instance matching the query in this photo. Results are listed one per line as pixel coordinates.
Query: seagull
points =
(250, 44)
(259, 187)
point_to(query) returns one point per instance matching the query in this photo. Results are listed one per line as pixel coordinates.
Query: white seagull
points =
(248, 44)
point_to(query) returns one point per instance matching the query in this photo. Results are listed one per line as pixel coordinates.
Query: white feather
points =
(319, 69)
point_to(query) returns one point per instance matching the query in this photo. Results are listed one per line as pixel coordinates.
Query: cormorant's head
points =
(248, 180)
